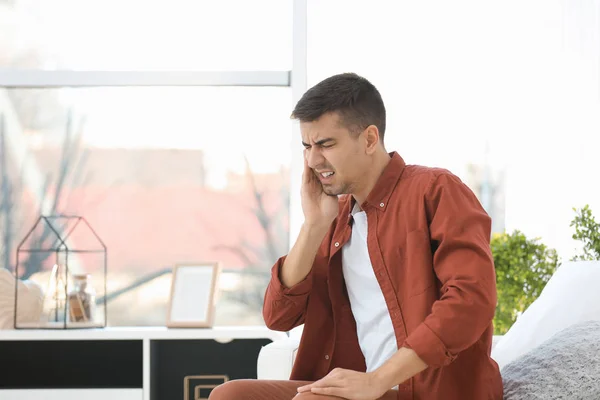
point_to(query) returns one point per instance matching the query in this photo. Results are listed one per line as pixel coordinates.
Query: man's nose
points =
(314, 157)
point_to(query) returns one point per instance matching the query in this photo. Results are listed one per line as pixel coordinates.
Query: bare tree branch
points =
(35, 260)
(136, 284)
(261, 214)
(254, 278)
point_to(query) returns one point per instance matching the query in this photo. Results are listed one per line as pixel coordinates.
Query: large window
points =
(164, 176)
(167, 167)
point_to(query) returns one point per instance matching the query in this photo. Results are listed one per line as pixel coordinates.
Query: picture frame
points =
(193, 295)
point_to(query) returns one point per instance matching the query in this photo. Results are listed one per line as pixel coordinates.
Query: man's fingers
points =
(308, 176)
(308, 172)
(329, 391)
(327, 381)
(305, 171)
(305, 388)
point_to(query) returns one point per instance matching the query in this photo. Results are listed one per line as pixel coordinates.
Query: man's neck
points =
(374, 172)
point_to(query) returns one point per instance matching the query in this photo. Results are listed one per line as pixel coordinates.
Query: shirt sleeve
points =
(460, 230)
(285, 308)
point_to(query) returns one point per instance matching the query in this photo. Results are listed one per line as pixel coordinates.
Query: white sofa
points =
(571, 296)
(275, 360)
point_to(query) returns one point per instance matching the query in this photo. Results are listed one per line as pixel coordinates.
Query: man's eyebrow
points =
(319, 142)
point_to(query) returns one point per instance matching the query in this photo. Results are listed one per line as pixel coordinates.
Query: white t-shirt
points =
(373, 322)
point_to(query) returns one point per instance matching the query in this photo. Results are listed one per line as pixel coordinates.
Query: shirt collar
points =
(385, 185)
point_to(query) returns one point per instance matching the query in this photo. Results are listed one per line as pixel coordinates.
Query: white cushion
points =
(570, 296)
(31, 299)
(275, 360)
(296, 333)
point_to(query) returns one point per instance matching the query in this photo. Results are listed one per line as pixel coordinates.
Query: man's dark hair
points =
(354, 98)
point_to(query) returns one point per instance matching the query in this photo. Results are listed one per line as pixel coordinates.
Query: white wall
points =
(520, 74)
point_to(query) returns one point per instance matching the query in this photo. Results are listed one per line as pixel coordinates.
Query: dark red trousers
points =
(252, 389)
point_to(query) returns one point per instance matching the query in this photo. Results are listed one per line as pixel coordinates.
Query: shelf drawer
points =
(71, 394)
(189, 369)
(71, 364)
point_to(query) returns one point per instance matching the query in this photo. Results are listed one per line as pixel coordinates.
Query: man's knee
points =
(230, 390)
(255, 389)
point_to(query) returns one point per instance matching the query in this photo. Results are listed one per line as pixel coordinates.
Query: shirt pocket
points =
(418, 263)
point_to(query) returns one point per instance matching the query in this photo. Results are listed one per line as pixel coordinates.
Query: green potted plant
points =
(523, 267)
(587, 231)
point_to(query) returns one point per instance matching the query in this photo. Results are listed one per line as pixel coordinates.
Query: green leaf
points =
(523, 267)
(587, 231)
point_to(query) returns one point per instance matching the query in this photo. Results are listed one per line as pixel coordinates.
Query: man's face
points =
(335, 155)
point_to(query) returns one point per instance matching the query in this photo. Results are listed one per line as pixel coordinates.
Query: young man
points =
(391, 274)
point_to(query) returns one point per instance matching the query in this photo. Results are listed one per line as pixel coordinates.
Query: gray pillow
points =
(566, 366)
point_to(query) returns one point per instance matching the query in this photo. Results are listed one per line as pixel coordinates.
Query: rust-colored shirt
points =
(429, 244)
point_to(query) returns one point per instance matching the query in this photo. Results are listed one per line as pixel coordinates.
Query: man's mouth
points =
(326, 174)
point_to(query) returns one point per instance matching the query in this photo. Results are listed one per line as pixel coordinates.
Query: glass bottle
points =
(82, 300)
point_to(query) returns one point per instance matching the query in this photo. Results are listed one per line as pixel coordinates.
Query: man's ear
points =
(371, 135)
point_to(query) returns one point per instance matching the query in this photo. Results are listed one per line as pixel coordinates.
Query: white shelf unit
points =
(148, 338)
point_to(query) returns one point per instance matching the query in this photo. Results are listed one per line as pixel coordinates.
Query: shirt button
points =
(327, 356)
(381, 204)
(337, 244)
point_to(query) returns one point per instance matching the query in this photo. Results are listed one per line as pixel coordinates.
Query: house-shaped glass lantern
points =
(64, 256)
